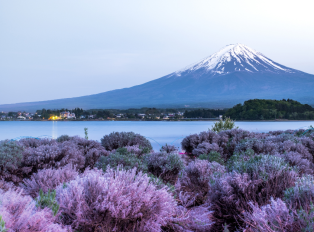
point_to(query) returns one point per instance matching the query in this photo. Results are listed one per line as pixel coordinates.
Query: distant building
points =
(142, 115)
(82, 117)
(21, 117)
(220, 117)
(165, 117)
(67, 114)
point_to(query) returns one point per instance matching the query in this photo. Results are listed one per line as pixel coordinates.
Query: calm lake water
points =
(158, 133)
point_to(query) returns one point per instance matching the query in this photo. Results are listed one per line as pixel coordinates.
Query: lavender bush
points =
(301, 196)
(196, 219)
(22, 159)
(169, 149)
(11, 156)
(21, 214)
(164, 165)
(90, 149)
(194, 180)
(255, 180)
(123, 139)
(34, 142)
(273, 217)
(117, 200)
(63, 138)
(48, 179)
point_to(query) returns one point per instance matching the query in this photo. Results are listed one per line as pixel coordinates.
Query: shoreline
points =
(139, 120)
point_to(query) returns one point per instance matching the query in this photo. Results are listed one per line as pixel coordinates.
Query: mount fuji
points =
(232, 75)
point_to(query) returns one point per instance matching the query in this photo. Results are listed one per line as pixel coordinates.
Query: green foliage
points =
(160, 184)
(48, 200)
(47, 113)
(225, 227)
(203, 113)
(307, 219)
(259, 109)
(86, 133)
(307, 132)
(145, 150)
(226, 124)
(10, 155)
(122, 151)
(121, 157)
(2, 225)
(257, 166)
(212, 156)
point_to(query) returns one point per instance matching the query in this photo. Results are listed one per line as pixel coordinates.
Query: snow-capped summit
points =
(235, 58)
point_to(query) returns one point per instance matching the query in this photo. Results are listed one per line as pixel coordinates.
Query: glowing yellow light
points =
(54, 118)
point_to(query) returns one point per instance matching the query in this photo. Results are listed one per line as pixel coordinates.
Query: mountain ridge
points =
(232, 75)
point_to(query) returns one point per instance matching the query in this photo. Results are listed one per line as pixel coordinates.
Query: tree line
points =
(260, 109)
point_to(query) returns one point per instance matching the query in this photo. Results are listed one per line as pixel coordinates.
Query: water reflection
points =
(54, 134)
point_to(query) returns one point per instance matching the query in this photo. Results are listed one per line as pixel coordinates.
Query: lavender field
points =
(232, 180)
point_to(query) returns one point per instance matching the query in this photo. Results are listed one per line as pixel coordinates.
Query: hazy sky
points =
(68, 48)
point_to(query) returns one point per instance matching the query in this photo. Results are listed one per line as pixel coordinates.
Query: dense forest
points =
(204, 113)
(259, 109)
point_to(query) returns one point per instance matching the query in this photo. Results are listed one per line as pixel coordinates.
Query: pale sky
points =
(69, 48)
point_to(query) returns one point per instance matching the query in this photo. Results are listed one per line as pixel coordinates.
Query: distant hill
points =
(258, 109)
(234, 74)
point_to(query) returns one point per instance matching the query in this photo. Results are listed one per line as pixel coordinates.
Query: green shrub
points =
(2, 225)
(160, 184)
(10, 159)
(48, 200)
(128, 161)
(213, 156)
(226, 124)
(86, 133)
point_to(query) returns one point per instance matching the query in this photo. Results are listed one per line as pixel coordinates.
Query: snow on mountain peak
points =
(235, 58)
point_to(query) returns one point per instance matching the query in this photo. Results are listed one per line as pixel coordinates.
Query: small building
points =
(67, 114)
(82, 117)
(141, 115)
(220, 117)
(21, 117)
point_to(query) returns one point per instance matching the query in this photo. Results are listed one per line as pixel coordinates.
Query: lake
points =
(158, 133)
